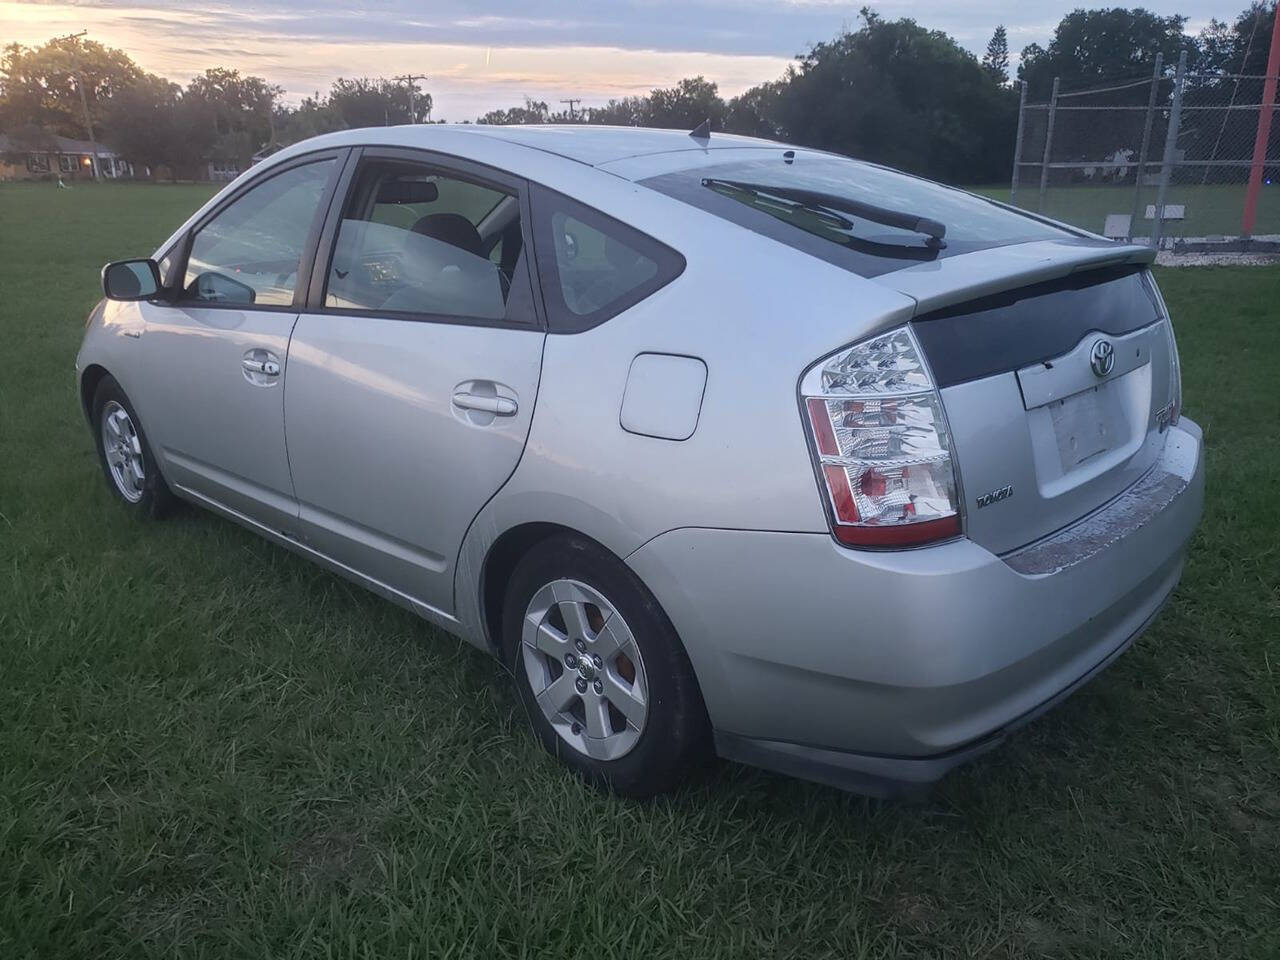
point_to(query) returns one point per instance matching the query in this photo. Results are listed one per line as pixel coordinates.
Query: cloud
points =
(485, 58)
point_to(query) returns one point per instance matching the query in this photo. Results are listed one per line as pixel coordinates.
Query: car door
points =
(216, 349)
(412, 378)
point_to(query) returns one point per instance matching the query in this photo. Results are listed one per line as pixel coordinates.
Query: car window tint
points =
(251, 251)
(595, 268)
(970, 220)
(415, 240)
(381, 267)
(470, 200)
(739, 192)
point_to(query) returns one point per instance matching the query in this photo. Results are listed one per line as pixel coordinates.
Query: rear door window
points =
(421, 240)
(592, 266)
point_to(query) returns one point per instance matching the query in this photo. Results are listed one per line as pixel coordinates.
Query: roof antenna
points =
(702, 131)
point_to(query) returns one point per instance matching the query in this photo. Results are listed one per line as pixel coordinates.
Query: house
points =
(45, 156)
(222, 171)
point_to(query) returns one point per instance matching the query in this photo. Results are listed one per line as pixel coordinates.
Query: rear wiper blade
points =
(813, 199)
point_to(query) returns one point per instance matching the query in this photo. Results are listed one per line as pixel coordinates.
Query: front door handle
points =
(269, 368)
(261, 367)
(498, 406)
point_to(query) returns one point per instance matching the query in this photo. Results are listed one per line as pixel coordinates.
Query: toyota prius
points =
(723, 446)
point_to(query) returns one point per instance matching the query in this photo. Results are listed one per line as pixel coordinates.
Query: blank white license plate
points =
(1086, 424)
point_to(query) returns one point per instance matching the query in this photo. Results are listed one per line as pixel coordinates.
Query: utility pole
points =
(409, 78)
(1265, 110)
(571, 102)
(84, 103)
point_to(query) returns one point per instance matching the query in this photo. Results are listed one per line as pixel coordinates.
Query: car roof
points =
(589, 144)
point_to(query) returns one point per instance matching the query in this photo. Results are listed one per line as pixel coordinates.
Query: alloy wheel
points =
(123, 450)
(585, 670)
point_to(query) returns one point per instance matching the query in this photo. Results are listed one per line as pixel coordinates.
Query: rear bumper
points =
(867, 670)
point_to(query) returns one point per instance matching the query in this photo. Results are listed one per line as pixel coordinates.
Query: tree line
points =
(889, 91)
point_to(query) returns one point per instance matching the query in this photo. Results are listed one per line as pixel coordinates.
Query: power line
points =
(571, 101)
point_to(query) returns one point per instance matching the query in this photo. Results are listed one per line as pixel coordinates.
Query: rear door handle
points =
(498, 406)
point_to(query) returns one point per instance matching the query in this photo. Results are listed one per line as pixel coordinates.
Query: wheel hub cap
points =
(123, 451)
(585, 670)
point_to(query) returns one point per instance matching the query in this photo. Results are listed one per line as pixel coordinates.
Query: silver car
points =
(725, 447)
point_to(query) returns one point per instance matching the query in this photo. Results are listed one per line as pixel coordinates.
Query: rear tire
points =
(603, 677)
(124, 454)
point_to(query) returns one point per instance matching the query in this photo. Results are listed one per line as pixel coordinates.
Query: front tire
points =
(124, 454)
(604, 679)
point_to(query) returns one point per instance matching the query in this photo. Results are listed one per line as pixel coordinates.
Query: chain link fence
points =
(1110, 158)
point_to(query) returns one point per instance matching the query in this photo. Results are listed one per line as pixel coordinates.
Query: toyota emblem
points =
(1102, 357)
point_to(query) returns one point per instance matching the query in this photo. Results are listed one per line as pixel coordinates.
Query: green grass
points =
(209, 747)
(1213, 209)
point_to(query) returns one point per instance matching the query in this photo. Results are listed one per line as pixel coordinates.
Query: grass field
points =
(209, 747)
(1212, 209)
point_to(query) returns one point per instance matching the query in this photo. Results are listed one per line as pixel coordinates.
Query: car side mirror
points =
(131, 280)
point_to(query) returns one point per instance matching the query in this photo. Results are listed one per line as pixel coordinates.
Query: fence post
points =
(1170, 148)
(1146, 143)
(1048, 145)
(1017, 144)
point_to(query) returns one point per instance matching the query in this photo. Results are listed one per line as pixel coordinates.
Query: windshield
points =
(866, 245)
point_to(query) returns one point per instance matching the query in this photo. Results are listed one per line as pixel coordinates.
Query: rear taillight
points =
(1175, 376)
(1173, 411)
(882, 445)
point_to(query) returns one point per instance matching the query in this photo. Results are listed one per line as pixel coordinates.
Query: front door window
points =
(251, 251)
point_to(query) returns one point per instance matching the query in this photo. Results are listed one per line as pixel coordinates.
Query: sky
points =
(485, 55)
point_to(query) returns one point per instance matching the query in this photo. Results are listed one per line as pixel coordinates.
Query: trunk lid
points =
(1055, 372)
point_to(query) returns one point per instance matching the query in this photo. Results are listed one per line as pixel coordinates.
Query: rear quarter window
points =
(592, 266)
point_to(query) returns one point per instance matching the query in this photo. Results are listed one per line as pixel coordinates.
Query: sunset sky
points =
(485, 55)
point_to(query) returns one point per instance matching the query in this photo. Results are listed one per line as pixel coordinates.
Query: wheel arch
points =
(499, 562)
(90, 377)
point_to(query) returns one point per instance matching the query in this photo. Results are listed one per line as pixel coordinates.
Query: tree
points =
(533, 111)
(754, 112)
(626, 112)
(1233, 58)
(42, 85)
(996, 59)
(684, 106)
(314, 116)
(239, 109)
(1241, 47)
(1092, 48)
(376, 102)
(896, 93)
(141, 123)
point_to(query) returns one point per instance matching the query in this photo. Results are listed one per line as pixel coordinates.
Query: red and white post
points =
(1264, 130)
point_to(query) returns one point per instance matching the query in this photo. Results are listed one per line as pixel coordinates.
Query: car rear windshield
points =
(849, 229)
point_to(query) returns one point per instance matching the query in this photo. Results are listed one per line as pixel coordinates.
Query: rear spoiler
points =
(969, 276)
